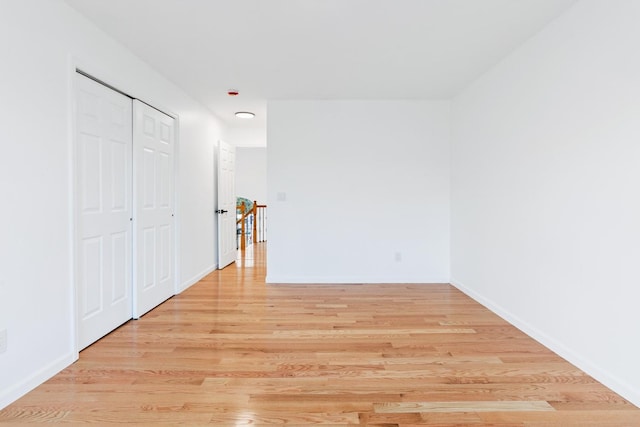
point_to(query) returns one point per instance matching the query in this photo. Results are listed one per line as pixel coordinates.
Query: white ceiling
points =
(318, 49)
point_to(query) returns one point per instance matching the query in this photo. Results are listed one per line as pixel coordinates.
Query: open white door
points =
(153, 150)
(226, 204)
(103, 209)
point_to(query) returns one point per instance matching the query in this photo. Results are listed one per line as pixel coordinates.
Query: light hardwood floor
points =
(233, 351)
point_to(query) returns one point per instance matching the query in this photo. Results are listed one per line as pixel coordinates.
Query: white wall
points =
(363, 180)
(545, 199)
(40, 41)
(247, 135)
(251, 173)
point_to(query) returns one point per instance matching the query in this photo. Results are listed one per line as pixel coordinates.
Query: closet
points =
(124, 211)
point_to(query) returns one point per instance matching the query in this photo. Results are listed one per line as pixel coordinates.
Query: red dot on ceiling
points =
(232, 92)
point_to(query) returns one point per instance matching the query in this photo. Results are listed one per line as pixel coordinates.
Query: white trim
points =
(601, 374)
(195, 279)
(216, 217)
(134, 216)
(355, 280)
(73, 220)
(16, 391)
(177, 288)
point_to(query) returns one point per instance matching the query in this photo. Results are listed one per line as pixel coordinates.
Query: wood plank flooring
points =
(232, 351)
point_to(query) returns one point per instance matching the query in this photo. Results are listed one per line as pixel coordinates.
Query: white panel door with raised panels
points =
(103, 209)
(227, 243)
(153, 147)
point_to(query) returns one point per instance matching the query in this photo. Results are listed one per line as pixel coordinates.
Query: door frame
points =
(77, 66)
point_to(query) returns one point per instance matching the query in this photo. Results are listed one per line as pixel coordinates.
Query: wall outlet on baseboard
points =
(3, 341)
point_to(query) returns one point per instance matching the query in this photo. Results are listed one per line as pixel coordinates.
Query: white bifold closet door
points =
(153, 154)
(124, 198)
(103, 209)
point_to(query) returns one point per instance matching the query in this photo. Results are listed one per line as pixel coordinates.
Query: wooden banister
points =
(254, 233)
(260, 223)
(242, 221)
(258, 215)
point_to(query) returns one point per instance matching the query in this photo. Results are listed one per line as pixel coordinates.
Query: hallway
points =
(231, 351)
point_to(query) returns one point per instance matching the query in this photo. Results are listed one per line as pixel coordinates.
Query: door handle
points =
(221, 211)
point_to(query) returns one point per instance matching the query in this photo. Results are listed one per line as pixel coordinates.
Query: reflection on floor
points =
(255, 255)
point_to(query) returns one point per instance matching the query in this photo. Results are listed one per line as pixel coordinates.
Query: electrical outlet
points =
(398, 256)
(3, 341)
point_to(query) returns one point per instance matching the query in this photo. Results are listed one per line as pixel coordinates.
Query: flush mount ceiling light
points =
(245, 115)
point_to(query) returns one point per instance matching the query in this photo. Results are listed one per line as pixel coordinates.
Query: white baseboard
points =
(350, 280)
(18, 390)
(602, 375)
(195, 279)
